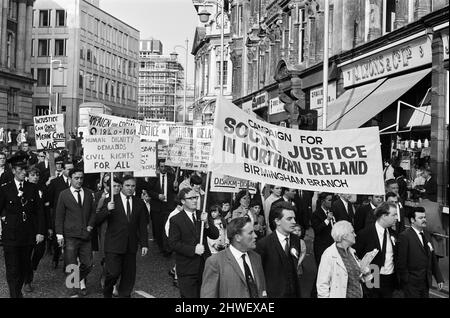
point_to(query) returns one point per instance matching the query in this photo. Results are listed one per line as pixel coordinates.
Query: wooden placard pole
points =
(204, 205)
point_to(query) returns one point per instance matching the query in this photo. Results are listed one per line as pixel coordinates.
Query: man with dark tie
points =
(343, 209)
(416, 261)
(23, 225)
(184, 240)
(162, 190)
(280, 252)
(126, 229)
(380, 236)
(235, 272)
(75, 219)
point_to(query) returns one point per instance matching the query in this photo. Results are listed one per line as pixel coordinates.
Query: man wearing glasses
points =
(23, 223)
(184, 240)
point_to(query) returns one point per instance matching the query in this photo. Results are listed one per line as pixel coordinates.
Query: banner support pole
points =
(204, 205)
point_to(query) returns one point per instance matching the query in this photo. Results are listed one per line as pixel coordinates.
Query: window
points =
(80, 80)
(44, 18)
(301, 35)
(43, 47)
(12, 10)
(100, 85)
(60, 18)
(89, 55)
(11, 101)
(60, 47)
(107, 87)
(11, 50)
(239, 21)
(113, 88)
(41, 110)
(225, 66)
(43, 77)
(32, 47)
(82, 53)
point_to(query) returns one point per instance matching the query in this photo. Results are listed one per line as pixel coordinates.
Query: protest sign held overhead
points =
(340, 161)
(111, 153)
(227, 184)
(49, 132)
(148, 159)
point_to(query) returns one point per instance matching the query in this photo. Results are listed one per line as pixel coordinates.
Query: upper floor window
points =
(43, 47)
(11, 50)
(11, 100)
(44, 18)
(60, 18)
(60, 47)
(43, 77)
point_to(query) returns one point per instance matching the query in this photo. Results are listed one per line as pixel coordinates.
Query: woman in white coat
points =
(339, 274)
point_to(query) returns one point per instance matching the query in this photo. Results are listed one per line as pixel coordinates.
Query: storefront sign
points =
(260, 101)
(398, 59)
(316, 95)
(276, 106)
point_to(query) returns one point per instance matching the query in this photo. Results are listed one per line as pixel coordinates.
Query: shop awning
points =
(419, 119)
(356, 106)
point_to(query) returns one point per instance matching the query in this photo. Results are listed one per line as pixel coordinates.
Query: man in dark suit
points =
(56, 186)
(23, 225)
(237, 271)
(343, 209)
(75, 220)
(364, 214)
(380, 236)
(44, 167)
(280, 252)
(184, 240)
(303, 203)
(393, 198)
(162, 190)
(430, 186)
(322, 222)
(6, 175)
(416, 261)
(126, 228)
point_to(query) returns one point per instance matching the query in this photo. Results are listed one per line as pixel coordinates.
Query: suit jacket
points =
(44, 172)
(367, 240)
(24, 216)
(322, 232)
(363, 216)
(303, 202)
(223, 278)
(183, 237)
(72, 220)
(55, 187)
(6, 177)
(340, 213)
(280, 269)
(154, 190)
(430, 187)
(416, 264)
(123, 236)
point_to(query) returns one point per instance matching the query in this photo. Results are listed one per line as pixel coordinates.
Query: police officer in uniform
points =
(23, 223)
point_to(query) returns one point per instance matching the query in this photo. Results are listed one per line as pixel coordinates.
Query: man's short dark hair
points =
(255, 202)
(183, 192)
(235, 227)
(195, 179)
(276, 212)
(75, 170)
(383, 209)
(323, 195)
(390, 194)
(412, 212)
(128, 177)
(390, 181)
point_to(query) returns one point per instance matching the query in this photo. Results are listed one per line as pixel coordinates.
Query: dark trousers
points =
(123, 266)
(387, 287)
(189, 286)
(18, 265)
(416, 291)
(57, 250)
(75, 249)
(37, 254)
(159, 219)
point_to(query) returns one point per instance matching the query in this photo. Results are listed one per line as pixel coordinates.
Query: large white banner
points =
(49, 132)
(341, 161)
(111, 153)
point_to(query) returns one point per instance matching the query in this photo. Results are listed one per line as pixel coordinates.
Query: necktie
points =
(252, 289)
(383, 248)
(67, 182)
(424, 242)
(194, 218)
(79, 198)
(286, 246)
(128, 208)
(20, 186)
(163, 182)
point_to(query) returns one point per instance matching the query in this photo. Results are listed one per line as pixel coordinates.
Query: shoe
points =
(28, 288)
(83, 292)
(73, 293)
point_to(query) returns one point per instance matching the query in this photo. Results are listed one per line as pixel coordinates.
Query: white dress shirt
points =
(75, 194)
(388, 267)
(18, 183)
(345, 204)
(161, 176)
(282, 239)
(238, 256)
(418, 234)
(123, 197)
(190, 215)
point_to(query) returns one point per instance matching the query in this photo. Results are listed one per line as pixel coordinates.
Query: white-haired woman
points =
(339, 270)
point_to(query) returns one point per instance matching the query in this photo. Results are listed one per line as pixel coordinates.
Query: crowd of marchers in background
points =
(253, 245)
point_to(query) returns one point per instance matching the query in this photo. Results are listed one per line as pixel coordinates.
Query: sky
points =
(170, 21)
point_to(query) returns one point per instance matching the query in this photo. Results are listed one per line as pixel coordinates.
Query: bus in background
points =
(83, 115)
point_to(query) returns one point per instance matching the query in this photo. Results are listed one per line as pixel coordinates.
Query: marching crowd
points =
(244, 245)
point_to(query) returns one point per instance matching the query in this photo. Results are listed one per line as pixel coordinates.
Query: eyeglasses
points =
(191, 198)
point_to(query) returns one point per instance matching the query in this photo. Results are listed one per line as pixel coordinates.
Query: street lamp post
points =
(60, 68)
(185, 77)
(204, 18)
